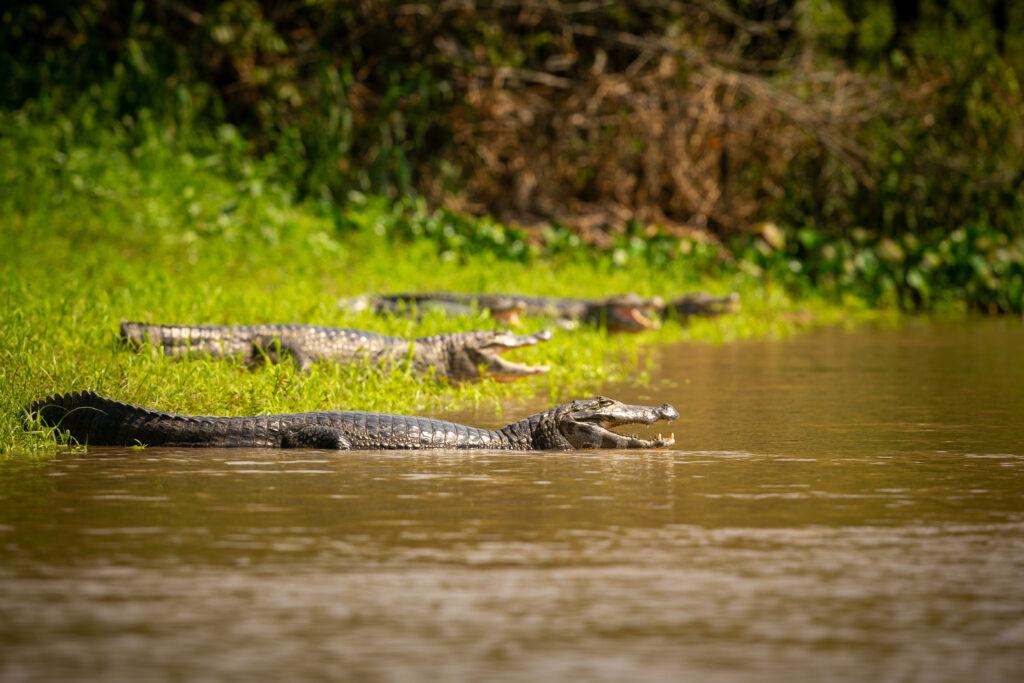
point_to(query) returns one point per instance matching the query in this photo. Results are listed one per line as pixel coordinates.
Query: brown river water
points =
(840, 506)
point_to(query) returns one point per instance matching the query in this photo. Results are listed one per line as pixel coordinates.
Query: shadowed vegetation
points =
(852, 126)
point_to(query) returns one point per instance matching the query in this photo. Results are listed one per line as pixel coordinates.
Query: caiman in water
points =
(456, 356)
(93, 420)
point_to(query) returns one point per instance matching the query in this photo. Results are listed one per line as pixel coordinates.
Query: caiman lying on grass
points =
(94, 420)
(504, 309)
(456, 356)
(620, 313)
(702, 303)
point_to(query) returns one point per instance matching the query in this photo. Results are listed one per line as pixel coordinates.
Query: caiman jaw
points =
(601, 437)
(508, 315)
(493, 366)
(589, 423)
(630, 319)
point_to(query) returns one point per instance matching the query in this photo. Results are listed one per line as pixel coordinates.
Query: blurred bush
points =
(614, 124)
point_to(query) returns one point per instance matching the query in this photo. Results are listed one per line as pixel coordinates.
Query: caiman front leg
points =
(315, 436)
(272, 349)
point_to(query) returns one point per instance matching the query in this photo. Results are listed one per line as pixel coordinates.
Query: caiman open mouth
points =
(630, 319)
(591, 428)
(610, 439)
(505, 311)
(493, 366)
(508, 317)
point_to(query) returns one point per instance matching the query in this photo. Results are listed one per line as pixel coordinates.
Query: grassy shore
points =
(94, 235)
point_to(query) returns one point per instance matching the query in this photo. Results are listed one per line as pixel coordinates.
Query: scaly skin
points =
(93, 420)
(702, 303)
(502, 309)
(456, 356)
(620, 313)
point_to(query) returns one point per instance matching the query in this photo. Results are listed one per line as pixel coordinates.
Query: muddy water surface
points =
(843, 506)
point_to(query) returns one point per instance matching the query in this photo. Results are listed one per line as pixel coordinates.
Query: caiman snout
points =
(588, 423)
(507, 340)
(475, 355)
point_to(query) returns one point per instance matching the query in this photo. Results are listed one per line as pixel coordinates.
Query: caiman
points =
(457, 356)
(619, 313)
(93, 420)
(502, 309)
(702, 303)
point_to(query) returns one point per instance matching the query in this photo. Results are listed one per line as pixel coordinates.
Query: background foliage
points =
(886, 139)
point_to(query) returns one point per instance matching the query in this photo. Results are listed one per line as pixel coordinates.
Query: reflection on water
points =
(841, 506)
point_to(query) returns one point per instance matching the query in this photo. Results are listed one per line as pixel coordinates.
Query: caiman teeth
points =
(660, 441)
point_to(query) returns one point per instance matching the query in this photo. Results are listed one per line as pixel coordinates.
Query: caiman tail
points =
(92, 419)
(214, 340)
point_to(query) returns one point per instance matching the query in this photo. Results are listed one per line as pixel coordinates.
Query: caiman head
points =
(588, 423)
(503, 309)
(625, 313)
(476, 355)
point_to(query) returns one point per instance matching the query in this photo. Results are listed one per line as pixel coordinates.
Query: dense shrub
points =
(625, 127)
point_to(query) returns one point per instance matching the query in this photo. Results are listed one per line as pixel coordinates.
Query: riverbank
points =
(97, 234)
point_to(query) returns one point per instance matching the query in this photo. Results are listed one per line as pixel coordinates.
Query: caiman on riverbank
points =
(620, 313)
(702, 303)
(503, 309)
(93, 420)
(456, 356)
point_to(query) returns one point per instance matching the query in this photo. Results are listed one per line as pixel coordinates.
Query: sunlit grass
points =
(92, 237)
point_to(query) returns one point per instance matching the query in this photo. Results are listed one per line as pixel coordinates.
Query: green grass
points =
(93, 235)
